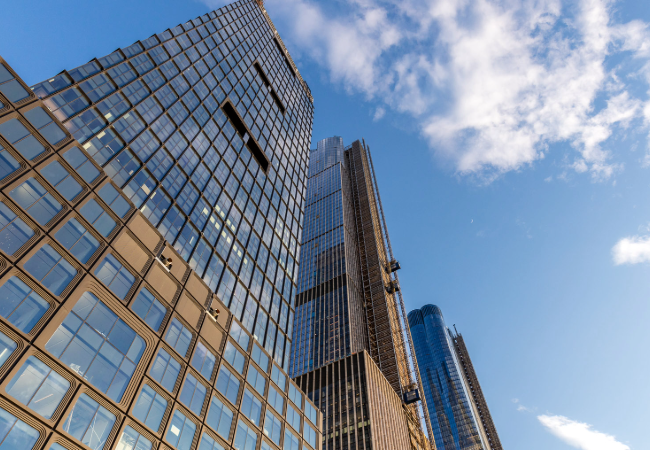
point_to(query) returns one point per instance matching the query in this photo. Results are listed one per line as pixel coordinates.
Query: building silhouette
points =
(151, 206)
(457, 409)
(350, 344)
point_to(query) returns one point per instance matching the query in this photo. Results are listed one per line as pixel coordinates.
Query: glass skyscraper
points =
(349, 353)
(452, 410)
(151, 206)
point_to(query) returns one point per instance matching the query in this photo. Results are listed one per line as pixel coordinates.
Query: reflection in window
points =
(114, 200)
(78, 240)
(97, 345)
(149, 309)
(293, 418)
(45, 125)
(193, 394)
(150, 408)
(115, 276)
(310, 413)
(20, 305)
(291, 441)
(295, 396)
(207, 443)
(240, 335)
(178, 337)
(38, 387)
(132, 440)
(16, 434)
(103, 146)
(278, 378)
(86, 125)
(81, 164)
(256, 379)
(14, 232)
(61, 179)
(98, 217)
(228, 384)
(35, 199)
(51, 269)
(310, 435)
(89, 423)
(10, 87)
(7, 347)
(275, 399)
(260, 357)
(181, 431)
(66, 104)
(234, 357)
(252, 407)
(219, 418)
(203, 360)
(272, 427)
(8, 163)
(165, 370)
(246, 438)
(22, 140)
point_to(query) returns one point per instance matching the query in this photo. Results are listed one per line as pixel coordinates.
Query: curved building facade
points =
(455, 426)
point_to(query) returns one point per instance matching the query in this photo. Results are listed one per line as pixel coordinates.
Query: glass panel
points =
(252, 407)
(132, 440)
(89, 423)
(51, 269)
(272, 427)
(16, 434)
(81, 164)
(203, 360)
(207, 443)
(19, 136)
(20, 305)
(7, 347)
(165, 370)
(38, 387)
(246, 438)
(181, 432)
(8, 164)
(48, 128)
(14, 232)
(61, 179)
(178, 337)
(148, 308)
(219, 418)
(98, 217)
(193, 394)
(35, 199)
(115, 276)
(78, 240)
(228, 385)
(10, 87)
(150, 408)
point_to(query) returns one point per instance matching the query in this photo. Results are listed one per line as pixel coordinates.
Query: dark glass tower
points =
(453, 415)
(151, 207)
(350, 352)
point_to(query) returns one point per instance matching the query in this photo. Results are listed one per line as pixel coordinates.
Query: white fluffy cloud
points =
(493, 84)
(580, 435)
(632, 250)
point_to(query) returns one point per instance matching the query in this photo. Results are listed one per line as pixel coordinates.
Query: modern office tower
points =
(485, 422)
(150, 214)
(454, 416)
(349, 353)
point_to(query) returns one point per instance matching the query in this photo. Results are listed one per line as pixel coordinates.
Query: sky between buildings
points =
(510, 141)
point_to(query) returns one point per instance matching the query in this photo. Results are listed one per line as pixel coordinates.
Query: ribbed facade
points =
(454, 420)
(141, 195)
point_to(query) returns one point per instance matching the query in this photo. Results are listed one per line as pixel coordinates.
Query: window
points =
(251, 407)
(165, 370)
(104, 146)
(219, 417)
(181, 431)
(7, 347)
(10, 87)
(207, 443)
(61, 179)
(295, 396)
(310, 435)
(311, 413)
(98, 217)
(97, 87)
(256, 379)
(150, 408)
(203, 360)
(293, 418)
(35, 199)
(98, 345)
(260, 357)
(240, 335)
(20, 305)
(272, 427)
(179, 337)
(89, 422)
(228, 384)
(66, 104)
(19, 136)
(78, 240)
(246, 438)
(14, 232)
(275, 399)
(81, 164)
(51, 269)
(48, 128)
(115, 276)
(278, 377)
(8, 163)
(291, 441)
(14, 433)
(38, 387)
(234, 357)
(149, 309)
(132, 440)
(114, 200)
(193, 394)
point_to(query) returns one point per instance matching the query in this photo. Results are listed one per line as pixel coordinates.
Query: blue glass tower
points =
(454, 421)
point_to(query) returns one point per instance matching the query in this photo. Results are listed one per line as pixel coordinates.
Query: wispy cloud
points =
(493, 85)
(580, 435)
(632, 250)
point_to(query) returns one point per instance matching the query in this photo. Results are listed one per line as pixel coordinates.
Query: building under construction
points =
(352, 345)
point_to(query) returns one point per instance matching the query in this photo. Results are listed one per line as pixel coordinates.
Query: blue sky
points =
(510, 141)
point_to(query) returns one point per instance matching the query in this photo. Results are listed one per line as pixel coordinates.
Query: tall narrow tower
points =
(350, 353)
